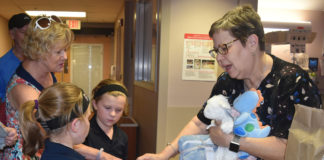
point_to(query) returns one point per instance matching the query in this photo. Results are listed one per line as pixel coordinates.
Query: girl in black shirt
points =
(109, 101)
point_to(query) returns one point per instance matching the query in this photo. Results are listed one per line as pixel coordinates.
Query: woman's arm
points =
(92, 153)
(20, 94)
(266, 148)
(195, 126)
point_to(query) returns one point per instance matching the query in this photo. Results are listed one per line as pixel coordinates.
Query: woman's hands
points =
(150, 156)
(11, 137)
(265, 148)
(193, 127)
(219, 137)
(106, 156)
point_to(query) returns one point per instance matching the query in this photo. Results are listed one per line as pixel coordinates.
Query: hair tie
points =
(37, 117)
(110, 88)
(56, 122)
(36, 104)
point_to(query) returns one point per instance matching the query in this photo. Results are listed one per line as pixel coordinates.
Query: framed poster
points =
(197, 63)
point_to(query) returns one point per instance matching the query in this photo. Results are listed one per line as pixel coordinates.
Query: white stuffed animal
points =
(218, 109)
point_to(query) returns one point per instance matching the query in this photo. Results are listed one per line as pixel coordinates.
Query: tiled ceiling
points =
(101, 11)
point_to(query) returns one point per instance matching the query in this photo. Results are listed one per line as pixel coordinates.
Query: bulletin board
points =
(197, 63)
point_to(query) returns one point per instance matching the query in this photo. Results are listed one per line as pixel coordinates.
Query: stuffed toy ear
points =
(247, 101)
(216, 106)
(217, 109)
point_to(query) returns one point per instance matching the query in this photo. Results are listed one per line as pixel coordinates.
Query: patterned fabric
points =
(199, 147)
(195, 147)
(287, 84)
(11, 62)
(20, 77)
(15, 152)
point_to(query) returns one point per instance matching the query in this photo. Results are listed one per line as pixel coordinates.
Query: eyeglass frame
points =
(50, 19)
(215, 51)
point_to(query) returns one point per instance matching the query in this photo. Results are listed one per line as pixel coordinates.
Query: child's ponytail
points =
(30, 129)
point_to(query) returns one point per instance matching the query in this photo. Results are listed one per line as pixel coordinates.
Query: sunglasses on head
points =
(45, 22)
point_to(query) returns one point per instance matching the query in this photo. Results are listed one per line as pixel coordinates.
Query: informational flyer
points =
(197, 62)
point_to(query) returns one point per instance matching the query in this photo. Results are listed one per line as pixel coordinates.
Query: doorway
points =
(86, 65)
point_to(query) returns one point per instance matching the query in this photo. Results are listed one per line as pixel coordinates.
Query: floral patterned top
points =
(286, 85)
(20, 77)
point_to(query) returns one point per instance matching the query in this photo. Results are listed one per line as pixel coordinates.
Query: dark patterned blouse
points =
(287, 84)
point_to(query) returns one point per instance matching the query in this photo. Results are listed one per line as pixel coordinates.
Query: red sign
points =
(197, 36)
(74, 24)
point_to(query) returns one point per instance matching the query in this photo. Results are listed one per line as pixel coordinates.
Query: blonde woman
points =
(45, 44)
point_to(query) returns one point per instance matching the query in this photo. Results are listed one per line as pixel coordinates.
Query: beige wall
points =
(5, 39)
(176, 122)
(179, 98)
(189, 17)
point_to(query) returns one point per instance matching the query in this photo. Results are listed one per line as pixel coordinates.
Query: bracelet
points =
(99, 154)
(174, 149)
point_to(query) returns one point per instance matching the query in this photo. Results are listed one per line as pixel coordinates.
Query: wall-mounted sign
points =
(74, 24)
(197, 63)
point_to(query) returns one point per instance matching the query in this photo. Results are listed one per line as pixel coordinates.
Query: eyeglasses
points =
(45, 22)
(222, 49)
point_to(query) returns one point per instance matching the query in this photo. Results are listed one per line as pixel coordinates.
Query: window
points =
(146, 42)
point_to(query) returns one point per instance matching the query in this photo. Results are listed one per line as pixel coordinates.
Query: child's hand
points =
(11, 137)
(106, 156)
(151, 156)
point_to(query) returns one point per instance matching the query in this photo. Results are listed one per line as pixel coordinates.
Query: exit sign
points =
(74, 24)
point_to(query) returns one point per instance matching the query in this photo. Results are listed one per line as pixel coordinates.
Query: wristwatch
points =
(235, 144)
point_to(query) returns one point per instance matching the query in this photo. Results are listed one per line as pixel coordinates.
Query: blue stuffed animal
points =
(247, 124)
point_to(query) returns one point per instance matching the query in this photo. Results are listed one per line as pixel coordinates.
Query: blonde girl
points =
(62, 110)
(109, 101)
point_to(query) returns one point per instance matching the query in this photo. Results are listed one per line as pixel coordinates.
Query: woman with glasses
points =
(239, 48)
(45, 45)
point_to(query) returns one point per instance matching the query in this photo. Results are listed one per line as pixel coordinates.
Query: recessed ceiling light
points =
(57, 13)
